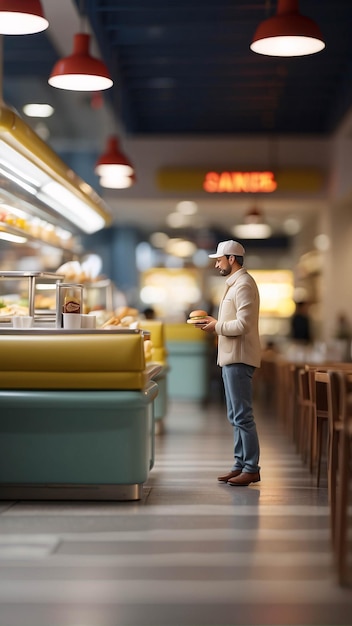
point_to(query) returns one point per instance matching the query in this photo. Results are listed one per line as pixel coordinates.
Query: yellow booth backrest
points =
(157, 336)
(72, 361)
(181, 331)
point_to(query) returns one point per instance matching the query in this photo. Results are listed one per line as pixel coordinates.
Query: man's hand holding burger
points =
(209, 324)
(202, 320)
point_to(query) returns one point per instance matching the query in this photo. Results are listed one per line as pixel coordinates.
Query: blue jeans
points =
(237, 379)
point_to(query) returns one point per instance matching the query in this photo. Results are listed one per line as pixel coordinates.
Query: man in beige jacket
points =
(239, 353)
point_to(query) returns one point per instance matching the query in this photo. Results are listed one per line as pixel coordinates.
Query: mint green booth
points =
(76, 416)
(189, 354)
(158, 356)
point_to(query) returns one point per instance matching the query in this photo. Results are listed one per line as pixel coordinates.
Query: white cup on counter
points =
(72, 321)
(88, 321)
(22, 321)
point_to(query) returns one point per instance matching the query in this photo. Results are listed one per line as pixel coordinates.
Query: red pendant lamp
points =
(254, 226)
(21, 17)
(80, 71)
(113, 163)
(117, 182)
(288, 33)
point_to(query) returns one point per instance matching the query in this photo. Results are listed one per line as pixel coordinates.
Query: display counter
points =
(189, 352)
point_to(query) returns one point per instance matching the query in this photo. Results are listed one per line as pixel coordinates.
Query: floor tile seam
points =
(41, 539)
(175, 535)
(207, 461)
(218, 510)
(324, 573)
(263, 488)
(218, 447)
(183, 545)
(161, 592)
(6, 507)
(56, 560)
(271, 466)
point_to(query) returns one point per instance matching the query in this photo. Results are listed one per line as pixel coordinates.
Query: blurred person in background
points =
(343, 334)
(149, 313)
(300, 324)
(343, 327)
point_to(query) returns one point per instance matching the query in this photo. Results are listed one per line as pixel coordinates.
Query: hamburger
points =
(198, 316)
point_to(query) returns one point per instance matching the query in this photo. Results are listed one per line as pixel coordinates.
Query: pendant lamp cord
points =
(268, 6)
(81, 14)
(273, 152)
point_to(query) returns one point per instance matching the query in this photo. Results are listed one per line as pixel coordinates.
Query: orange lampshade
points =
(113, 163)
(288, 33)
(21, 17)
(80, 71)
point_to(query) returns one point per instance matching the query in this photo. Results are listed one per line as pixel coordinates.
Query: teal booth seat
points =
(189, 353)
(161, 401)
(76, 444)
(158, 355)
(61, 438)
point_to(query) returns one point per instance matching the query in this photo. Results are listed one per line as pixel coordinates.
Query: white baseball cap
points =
(228, 247)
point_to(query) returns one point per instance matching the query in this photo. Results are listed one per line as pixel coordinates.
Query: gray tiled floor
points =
(192, 552)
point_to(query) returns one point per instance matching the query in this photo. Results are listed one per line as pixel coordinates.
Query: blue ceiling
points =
(184, 67)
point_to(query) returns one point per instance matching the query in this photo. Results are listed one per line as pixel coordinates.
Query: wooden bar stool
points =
(321, 417)
(311, 369)
(293, 408)
(305, 419)
(333, 395)
(344, 477)
(285, 400)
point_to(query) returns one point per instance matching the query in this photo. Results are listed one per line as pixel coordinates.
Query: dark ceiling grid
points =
(186, 68)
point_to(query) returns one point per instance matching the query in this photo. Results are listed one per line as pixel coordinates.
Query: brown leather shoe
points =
(244, 479)
(226, 477)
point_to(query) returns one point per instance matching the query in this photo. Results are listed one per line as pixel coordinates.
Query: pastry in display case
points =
(7, 311)
(21, 224)
(123, 317)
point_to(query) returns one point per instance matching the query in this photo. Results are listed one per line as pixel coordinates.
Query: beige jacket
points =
(237, 325)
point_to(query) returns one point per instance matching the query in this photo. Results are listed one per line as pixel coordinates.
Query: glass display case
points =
(99, 295)
(21, 292)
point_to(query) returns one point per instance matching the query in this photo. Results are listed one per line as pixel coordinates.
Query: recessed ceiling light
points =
(180, 247)
(186, 207)
(38, 110)
(176, 220)
(292, 226)
(158, 239)
(322, 242)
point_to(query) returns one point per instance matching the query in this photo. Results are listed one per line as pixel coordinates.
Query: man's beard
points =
(225, 272)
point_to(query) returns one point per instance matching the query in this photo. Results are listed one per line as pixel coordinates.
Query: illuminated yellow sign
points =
(195, 180)
(239, 182)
